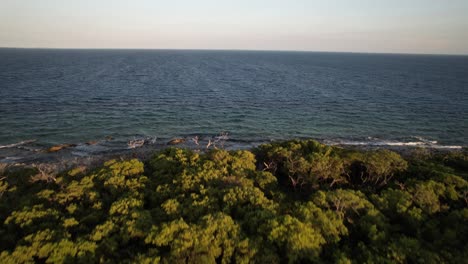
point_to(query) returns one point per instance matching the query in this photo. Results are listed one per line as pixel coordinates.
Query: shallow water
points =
(74, 96)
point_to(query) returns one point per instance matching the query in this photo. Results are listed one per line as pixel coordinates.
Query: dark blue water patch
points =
(63, 96)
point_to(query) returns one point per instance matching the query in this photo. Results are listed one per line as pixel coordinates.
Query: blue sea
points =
(52, 96)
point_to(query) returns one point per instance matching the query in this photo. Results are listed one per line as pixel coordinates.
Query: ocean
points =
(53, 96)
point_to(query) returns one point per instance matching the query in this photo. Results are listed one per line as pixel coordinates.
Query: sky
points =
(396, 26)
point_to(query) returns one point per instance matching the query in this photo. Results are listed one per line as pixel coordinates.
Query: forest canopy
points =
(284, 202)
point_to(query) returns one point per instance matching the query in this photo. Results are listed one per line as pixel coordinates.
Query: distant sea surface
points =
(74, 96)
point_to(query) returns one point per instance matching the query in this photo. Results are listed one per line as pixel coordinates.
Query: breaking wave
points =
(421, 142)
(17, 144)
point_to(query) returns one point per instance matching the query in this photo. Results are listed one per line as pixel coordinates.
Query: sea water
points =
(57, 96)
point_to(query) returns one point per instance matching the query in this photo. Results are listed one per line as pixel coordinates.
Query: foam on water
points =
(423, 143)
(17, 144)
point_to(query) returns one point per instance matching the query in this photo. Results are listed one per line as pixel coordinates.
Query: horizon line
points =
(248, 50)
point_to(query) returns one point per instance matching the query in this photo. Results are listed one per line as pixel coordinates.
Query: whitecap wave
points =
(10, 159)
(433, 142)
(424, 143)
(17, 144)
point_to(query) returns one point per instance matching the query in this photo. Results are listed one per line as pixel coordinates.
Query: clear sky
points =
(396, 26)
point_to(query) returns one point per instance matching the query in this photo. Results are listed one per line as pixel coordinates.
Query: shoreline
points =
(29, 152)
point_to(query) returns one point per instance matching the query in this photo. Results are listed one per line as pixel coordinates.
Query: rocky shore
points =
(69, 155)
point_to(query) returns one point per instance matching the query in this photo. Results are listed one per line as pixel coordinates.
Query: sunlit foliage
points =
(286, 202)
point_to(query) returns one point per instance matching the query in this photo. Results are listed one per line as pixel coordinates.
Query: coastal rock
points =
(136, 143)
(176, 141)
(60, 147)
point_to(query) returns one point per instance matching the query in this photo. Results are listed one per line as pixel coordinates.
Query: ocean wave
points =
(10, 159)
(17, 144)
(433, 142)
(424, 143)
